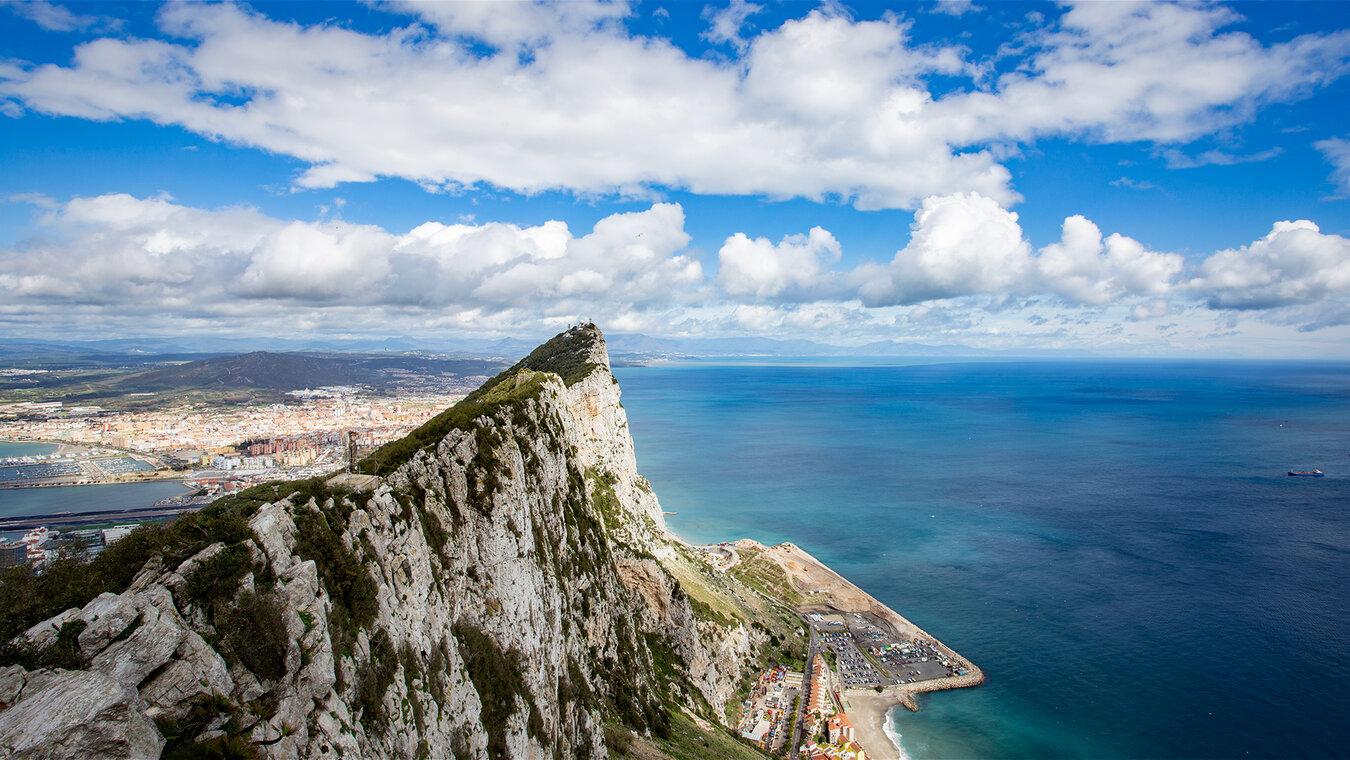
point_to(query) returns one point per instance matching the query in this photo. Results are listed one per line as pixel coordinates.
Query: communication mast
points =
(351, 451)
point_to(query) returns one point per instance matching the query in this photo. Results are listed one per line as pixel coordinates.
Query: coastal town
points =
(212, 451)
(863, 659)
(810, 716)
(215, 448)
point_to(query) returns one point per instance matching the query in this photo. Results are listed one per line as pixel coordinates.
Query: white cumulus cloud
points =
(1084, 269)
(1295, 264)
(533, 96)
(966, 244)
(123, 255)
(960, 244)
(758, 267)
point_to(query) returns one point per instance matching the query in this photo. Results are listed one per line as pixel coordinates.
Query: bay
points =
(25, 449)
(18, 502)
(1116, 544)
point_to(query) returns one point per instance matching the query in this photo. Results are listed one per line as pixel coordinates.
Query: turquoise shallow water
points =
(1116, 544)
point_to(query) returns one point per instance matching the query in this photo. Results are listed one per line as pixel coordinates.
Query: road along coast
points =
(828, 596)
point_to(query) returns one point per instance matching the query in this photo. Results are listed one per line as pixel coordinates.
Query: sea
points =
(1117, 544)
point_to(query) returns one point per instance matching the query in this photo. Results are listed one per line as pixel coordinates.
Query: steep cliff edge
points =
(503, 587)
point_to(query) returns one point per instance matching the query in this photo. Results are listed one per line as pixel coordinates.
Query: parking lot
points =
(860, 643)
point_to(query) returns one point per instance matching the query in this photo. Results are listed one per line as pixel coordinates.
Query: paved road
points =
(806, 694)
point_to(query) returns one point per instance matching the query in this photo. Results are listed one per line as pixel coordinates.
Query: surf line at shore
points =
(892, 733)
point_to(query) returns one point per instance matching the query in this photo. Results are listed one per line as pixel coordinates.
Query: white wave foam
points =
(893, 734)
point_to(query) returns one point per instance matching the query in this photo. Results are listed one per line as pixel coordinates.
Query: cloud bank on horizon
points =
(819, 109)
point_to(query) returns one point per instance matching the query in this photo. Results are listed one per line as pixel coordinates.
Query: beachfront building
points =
(839, 729)
(13, 553)
(816, 751)
(822, 685)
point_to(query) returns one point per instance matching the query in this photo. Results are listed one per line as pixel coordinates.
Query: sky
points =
(1149, 179)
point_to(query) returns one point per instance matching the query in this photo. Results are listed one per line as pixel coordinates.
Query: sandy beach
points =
(867, 712)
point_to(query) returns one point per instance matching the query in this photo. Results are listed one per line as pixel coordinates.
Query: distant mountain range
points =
(630, 345)
(644, 344)
(143, 381)
(213, 346)
(259, 369)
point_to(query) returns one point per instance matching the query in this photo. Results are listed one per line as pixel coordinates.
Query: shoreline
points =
(830, 592)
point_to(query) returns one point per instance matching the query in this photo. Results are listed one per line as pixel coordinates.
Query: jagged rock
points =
(196, 671)
(107, 617)
(79, 715)
(151, 645)
(44, 634)
(11, 683)
(192, 563)
(275, 530)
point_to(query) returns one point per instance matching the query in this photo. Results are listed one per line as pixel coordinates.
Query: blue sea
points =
(1116, 544)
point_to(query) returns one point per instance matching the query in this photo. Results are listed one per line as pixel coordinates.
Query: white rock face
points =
(487, 557)
(605, 444)
(78, 715)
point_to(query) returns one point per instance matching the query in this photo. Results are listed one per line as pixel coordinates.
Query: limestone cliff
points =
(501, 585)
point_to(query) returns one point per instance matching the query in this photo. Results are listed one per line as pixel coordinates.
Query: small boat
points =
(1310, 474)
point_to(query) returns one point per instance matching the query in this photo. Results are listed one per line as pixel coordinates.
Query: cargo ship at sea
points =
(1309, 474)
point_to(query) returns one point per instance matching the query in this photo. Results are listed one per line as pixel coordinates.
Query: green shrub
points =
(496, 677)
(62, 653)
(203, 711)
(253, 632)
(350, 588)
(73, 581)
(374, 678)
(214, 582)
(219, 748)
(618, 739)
(603, 497)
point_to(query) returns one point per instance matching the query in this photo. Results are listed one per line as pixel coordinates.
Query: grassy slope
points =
(690, 742)
(564, 355)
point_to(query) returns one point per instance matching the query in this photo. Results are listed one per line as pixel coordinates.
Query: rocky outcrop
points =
(75, 714)
(605, 449)
(144, 664)
(501, 592)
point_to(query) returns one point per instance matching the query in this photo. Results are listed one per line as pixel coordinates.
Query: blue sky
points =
(1132, 179)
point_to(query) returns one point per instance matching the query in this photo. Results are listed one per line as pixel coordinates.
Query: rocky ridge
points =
(506, 589)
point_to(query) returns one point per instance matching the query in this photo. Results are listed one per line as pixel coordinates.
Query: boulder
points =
(150, 646)
(197, 671)
(80, 715)
(107, 617)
